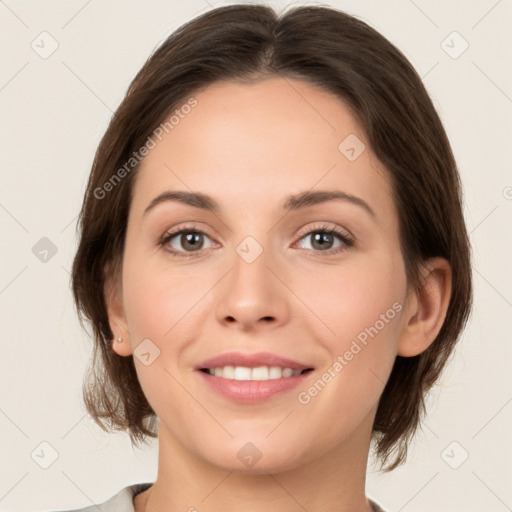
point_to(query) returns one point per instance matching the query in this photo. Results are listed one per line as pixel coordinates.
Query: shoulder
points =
(123, 501)
(120, 502)
(375, 506)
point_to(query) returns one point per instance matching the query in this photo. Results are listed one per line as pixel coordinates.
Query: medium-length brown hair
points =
(344, 56)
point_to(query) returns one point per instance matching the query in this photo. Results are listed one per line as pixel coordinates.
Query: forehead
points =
(251, 144)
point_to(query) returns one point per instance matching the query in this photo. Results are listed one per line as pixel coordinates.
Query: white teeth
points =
(258, 373)
(275, 372)
(228, 372)
(242, 373)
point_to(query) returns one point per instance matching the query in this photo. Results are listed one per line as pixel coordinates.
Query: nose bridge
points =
(252, 293)
(251, 277)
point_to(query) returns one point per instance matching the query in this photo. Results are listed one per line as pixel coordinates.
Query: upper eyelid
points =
(302, 231)
(325, 225)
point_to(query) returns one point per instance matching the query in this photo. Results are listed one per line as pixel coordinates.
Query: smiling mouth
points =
(261, 373)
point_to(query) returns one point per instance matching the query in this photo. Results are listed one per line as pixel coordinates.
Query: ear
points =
(426, 308)
(113, 293)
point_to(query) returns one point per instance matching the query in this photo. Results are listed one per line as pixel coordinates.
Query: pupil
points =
(189, 240)
(319, 237)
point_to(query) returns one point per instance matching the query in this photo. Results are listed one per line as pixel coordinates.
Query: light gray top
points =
(120, 502)
(123, 501)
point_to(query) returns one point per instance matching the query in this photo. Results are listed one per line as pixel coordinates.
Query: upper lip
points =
(251, 361)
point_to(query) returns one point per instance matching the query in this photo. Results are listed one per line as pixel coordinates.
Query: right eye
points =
(184, 240)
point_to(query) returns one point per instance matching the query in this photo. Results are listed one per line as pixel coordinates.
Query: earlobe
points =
(116, 315)
(427, 309)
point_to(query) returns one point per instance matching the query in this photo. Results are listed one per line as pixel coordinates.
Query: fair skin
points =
(250, 146)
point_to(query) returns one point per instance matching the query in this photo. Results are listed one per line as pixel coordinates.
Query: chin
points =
(254, 458)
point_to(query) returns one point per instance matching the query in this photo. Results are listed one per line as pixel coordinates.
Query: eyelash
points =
(347, 240)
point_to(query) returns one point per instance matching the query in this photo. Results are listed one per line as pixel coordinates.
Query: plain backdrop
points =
(54, 109)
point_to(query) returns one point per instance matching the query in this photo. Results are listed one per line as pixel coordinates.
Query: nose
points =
(253, 296)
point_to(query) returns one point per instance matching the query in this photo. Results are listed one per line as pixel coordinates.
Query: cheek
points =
(158, 303)
(364, 314)
(159, 306)
(349, 299)
(360, 311)
(148, 306)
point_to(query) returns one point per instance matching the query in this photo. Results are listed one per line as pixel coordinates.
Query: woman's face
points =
(263, 278)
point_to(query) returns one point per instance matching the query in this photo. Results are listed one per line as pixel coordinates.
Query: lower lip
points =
(252, 391)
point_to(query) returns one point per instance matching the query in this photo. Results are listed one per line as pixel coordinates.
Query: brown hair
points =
(346, 57)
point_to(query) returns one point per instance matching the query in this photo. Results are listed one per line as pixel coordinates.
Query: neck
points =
(328, 482)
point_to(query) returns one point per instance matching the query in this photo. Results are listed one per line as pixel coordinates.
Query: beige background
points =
(54, 111)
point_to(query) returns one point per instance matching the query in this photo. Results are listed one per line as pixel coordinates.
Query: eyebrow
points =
(291, 203)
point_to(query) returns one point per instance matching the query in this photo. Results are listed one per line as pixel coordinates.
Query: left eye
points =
(322, 240)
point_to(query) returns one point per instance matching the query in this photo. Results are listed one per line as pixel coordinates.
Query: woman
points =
(274, 261)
